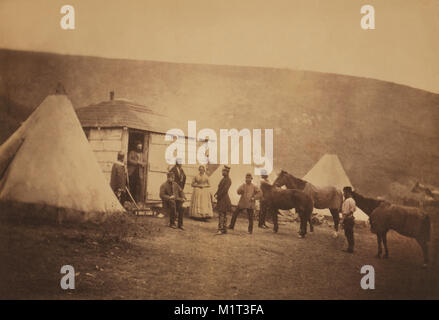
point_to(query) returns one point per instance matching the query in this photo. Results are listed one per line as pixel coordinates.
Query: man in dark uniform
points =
(263, 208)
(173, 198)
(347, 209)
(224, 204)
(180, 176)
(119, 178)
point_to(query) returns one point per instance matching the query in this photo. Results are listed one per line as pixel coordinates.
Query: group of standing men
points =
(249, 193)
(173, 197)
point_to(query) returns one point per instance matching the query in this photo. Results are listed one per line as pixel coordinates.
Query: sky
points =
(317, 35)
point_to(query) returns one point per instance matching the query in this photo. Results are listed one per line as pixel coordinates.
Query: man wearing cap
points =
(118, 181)
(224, 204)
(173, 198)
(249, 194)
(263, 204)
(180, 176)
(348, 208)
(136, 171)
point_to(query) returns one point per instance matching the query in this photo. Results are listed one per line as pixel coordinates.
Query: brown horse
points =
(409, 221)
(328, 197)
(286, 200)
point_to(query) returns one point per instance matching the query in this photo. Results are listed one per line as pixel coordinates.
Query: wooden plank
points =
(156, 158)
(124, 141)
(145, 157)
(106, 145)
(154, 181)
(156, 138)
(106, 134)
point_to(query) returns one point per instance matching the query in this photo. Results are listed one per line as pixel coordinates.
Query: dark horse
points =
(328, 197)
(408, 221)
(286, 200)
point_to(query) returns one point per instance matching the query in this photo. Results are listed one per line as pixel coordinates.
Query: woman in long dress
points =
(201, 203)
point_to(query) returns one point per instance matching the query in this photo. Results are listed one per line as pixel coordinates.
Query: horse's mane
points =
(297, 181)
(366, 204)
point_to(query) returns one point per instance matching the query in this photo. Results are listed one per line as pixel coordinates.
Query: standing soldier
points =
(249, 193)
(180, 176)
(263, 203)
(118, 181)
(348, 208)
(173, 198)
(224, 204)
(136, 170)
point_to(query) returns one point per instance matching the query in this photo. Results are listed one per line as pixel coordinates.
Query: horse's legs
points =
(303, 224)
(380, 250)
(336, 218)
(424, 247)
(311, 227)
(386, 250)
(275, 222)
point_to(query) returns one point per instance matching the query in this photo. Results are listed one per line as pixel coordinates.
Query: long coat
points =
(180, 176)
(118, 176)
(223, 200)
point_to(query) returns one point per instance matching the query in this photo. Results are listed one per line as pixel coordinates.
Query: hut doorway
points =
(138, 174)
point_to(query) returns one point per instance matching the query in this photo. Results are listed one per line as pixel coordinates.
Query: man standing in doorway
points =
(136, 171)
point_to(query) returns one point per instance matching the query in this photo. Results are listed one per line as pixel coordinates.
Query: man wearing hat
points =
(348, 208)
(136, 171)
(180, 176)
(224, 204)
(249, 194)
(173, 198)
(118, 181)
(263, 204)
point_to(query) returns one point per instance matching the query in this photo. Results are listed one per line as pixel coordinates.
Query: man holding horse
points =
(348, 208)
(263, 203)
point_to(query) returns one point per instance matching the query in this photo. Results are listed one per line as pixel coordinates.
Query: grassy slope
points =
(384, 133)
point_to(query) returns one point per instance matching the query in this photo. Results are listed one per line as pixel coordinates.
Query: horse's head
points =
(281, 179)
(288, 180)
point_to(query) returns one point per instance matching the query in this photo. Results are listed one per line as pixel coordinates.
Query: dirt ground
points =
(157, 262)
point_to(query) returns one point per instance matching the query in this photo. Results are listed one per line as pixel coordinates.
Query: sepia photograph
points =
(219, 150)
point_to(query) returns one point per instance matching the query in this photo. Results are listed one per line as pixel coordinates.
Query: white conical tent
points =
(48, 161)
(328, 171)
